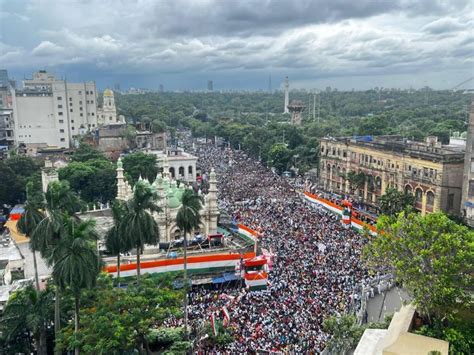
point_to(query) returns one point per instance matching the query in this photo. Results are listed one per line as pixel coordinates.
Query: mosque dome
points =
(108, 93)
(174, 202)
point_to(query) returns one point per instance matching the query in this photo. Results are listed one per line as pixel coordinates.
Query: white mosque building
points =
(170, 201)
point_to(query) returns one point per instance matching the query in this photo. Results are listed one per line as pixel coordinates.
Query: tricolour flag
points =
(226, 320)
(213, 325)
(346, 216)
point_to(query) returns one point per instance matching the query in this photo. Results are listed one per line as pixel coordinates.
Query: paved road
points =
(386, 303)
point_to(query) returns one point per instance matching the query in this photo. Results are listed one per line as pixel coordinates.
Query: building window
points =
(63, 139)
(92, 114)
(61, 121)
(72, 121)
(418, 195)
(70, 110)
(92, 101)
(70, 104)
(430, 198)
(59, 98)
(80, 92)
(61, 131)
(60, 106)
(81, 114)
(471, 188)
(80, 102)
(451, 200)
(190, 170)
(72, 128)
(472, 166)
(322, 149)
(60, 113)
(80, 108)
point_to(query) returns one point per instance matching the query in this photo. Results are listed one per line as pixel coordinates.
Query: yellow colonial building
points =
(364, 167)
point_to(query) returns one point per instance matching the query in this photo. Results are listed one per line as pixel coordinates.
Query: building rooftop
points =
(429, 150)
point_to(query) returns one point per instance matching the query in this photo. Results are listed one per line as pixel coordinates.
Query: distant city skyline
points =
(238, 45)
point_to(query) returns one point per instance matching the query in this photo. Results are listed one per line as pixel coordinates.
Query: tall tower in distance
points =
(287, 95)
(296, 108)
(210, 85)
(467, 201)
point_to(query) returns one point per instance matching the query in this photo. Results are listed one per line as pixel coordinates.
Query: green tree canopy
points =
(76, 262)
(28, 314)
(279, 156)
(115, 241)
(86, 152)
(158, 126)
(94, 180)
(356, 180)
(345, 333)
(431, 256)
(138, 226)
(393, 202)
(123, 319)
(140, 164)
(15, 172)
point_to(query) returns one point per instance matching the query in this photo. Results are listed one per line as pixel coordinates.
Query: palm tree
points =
(59, 202)
(27, 313)
(76, 261)
(31, 217)
(188, 219)
(114, 240)
(138, 226)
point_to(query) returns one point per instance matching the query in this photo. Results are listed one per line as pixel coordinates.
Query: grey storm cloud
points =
(246, 18)
(182, 39)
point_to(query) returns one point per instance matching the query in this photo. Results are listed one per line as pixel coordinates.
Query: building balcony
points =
(421, 179)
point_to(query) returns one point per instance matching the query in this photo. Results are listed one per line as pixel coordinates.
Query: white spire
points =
(287, 93)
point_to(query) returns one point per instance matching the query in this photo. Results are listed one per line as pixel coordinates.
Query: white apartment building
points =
(49, 112)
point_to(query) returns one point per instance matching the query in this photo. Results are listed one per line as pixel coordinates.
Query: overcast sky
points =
(238, 43)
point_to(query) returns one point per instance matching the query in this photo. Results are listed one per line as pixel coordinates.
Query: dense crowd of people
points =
(317, 267)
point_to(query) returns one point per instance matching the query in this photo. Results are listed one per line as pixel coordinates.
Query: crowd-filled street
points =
(317, 264)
